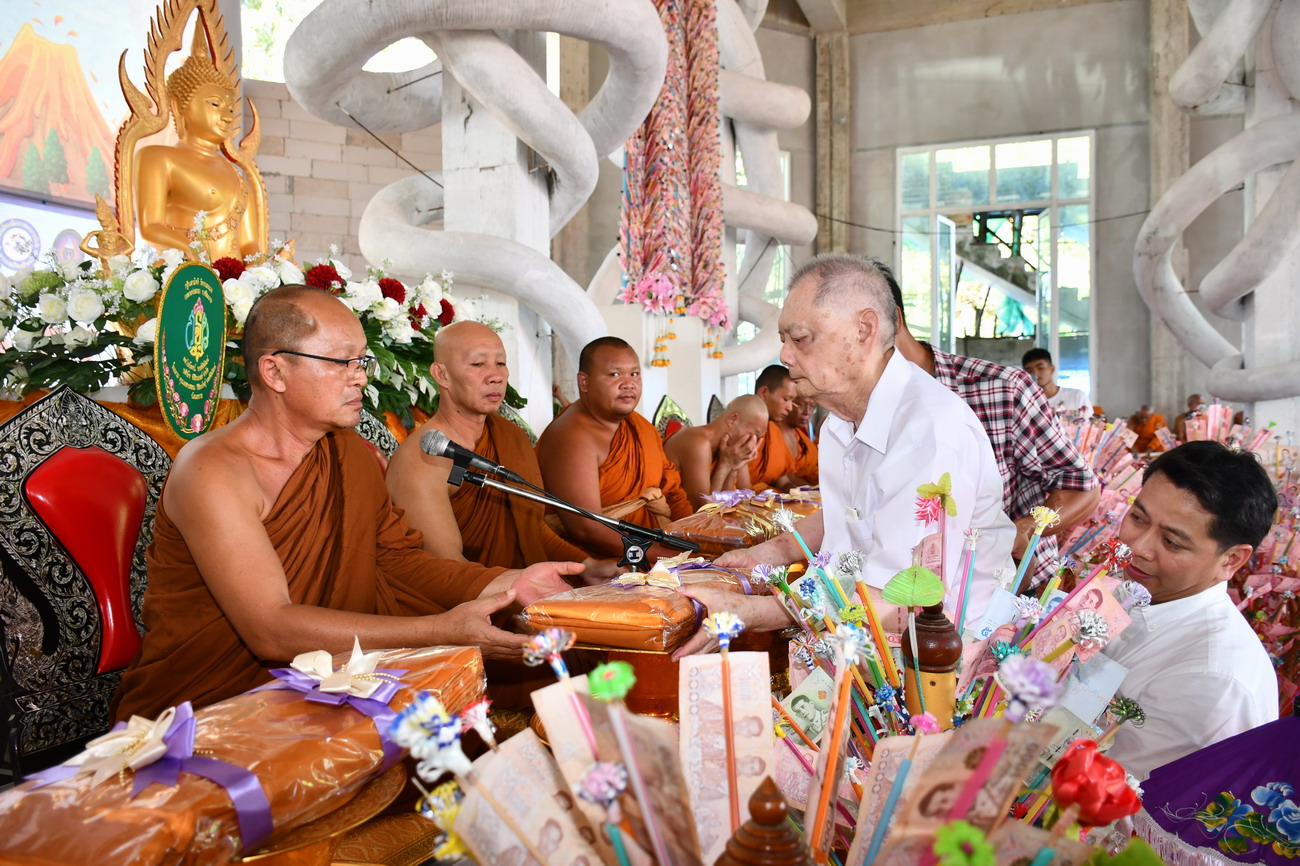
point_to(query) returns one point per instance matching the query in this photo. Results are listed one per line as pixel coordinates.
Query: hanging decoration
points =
(671, 227)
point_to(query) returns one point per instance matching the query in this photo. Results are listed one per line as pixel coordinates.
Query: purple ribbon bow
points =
(252, 809)
(375, 706)
(729, 498)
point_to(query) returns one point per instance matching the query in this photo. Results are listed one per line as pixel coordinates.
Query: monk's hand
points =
(470, 624)
(737, 451)
(543, 580)
(598, 571)
(758, 612)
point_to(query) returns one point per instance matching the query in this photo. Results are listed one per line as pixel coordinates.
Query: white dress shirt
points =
(914, 431)
(1068, 401)
(1198, 671)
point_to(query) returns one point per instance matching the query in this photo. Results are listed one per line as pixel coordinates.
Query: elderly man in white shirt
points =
(1194, 665)
(892, 429)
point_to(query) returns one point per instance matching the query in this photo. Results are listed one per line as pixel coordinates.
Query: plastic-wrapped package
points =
(309, 757)
(741, 518)
(636, 611)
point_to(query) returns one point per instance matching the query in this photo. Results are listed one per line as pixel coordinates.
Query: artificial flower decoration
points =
(959, 843)
(723, 625)
(1094, 784)
(611, 681)
(940, 495)
(603, 784)
(1029, 684)
(925, 723)
(914, 587)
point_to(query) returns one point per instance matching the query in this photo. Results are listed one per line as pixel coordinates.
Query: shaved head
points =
(748, 407)
(460, 337)
(283, 318)
(852, 283)
(587, 358)
(469, 365)
(772, 377)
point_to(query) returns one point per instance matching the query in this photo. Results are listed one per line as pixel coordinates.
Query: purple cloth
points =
(1238, 799)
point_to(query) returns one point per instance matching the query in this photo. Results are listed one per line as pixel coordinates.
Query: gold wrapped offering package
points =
(734, 519)
(307, 757)
(635, 611)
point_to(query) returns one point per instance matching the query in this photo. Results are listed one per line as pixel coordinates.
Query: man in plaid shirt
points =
(1039, 465)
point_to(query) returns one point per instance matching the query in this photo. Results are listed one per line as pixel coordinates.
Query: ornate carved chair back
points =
(377, 434)
(670, 417)
(78, 490)
(715, 407)
(518, 420)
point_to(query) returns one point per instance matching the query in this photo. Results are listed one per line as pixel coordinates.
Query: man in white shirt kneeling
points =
(1194, 665)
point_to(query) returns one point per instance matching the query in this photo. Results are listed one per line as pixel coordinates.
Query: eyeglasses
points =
(367, 364)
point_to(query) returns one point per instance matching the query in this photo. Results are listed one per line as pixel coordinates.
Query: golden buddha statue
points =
(204, 195)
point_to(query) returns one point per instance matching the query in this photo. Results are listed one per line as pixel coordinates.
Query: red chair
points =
(669, 417)
(80, 486)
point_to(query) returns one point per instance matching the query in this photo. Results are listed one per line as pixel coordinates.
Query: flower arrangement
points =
(70, 324)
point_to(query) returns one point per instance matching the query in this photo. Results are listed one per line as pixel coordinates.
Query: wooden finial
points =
(766, 839)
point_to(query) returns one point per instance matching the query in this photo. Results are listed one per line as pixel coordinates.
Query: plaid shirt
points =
(1032, 451)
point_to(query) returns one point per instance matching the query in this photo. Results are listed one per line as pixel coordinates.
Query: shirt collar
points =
(882, 405)
(1155, 616)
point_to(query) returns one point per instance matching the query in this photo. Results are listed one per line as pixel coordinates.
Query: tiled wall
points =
(319, 177)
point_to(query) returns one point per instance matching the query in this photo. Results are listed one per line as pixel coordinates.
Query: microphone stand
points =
(636, 539)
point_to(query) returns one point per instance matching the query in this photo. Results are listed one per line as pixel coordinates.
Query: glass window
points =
(915, 168)
(915, 276)
(1074, 289)
(1024, 170)
(1074, 167)
(962, 176)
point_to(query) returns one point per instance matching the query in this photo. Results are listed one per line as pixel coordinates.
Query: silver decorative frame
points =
(51, 697)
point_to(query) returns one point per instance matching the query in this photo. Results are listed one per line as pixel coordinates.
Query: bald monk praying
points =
(602, 455)
(495, 528)
(275, 534)
(716, 456)
(774, 466)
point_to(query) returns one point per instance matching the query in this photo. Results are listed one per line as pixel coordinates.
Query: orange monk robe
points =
(497, 528)
(773, 461)
(1146, 434)
(805, 462)
(636, 465)
(344, 545)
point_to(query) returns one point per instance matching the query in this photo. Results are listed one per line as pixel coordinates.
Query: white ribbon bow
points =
(357, 678)
(137, 745)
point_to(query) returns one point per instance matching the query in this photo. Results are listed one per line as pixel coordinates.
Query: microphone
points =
(436, 443)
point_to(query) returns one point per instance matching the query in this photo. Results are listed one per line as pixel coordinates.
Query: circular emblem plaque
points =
(190, 348)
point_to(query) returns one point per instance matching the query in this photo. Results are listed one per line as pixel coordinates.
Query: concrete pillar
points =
(1269, 333)
(682, 379)
(1170, 144)
(833, 141)
(496, 185)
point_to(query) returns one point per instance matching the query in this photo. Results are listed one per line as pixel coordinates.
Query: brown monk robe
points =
(499, 529)
(775, 464)
(343, 546)
(494, 528)
(801, 445)
(275, 534)
(603, 456)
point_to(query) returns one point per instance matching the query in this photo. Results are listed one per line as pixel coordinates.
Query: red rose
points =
(228, 268)
(391, 288)
(446, 314)
(324, 277)
(418, 315)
